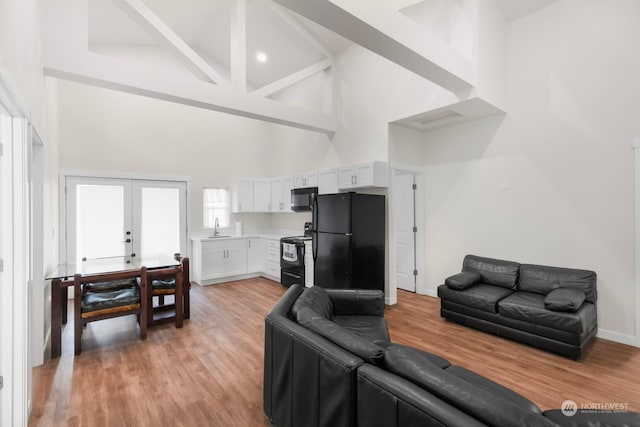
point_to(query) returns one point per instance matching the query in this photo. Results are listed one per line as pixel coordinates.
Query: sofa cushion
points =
(564, 299)
(529, 307)
(315, 298)
(495, 388)
(541, 279)
(481, 296)
(463, 280)
(494, 271)
(93, 301)
(113, 285)
(476, 401)
(373, 328)
(348, 340)
(393, 351)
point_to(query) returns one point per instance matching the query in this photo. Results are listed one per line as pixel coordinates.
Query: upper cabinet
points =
(274, 194)
(372, 174)
(309, 179)
(243, 196)
(328, 181)
(281, 193)
(262, 195)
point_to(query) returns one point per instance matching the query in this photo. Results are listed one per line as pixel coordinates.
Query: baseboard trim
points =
(391, 301)
(617, 337)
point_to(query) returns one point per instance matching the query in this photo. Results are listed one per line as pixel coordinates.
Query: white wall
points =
(564, 151)
(107, 131)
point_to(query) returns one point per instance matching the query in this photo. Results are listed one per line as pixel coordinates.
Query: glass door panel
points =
(98, 218)
(159, 217)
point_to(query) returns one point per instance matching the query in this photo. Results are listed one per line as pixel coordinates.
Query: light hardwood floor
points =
(210, 372)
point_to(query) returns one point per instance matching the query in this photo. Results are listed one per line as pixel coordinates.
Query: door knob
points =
(128, 241)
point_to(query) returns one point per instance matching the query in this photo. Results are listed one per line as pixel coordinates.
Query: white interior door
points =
(403, 231)
(99, 218)
(159, 217)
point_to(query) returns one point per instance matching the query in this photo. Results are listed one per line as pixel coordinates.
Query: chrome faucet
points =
(216, 226)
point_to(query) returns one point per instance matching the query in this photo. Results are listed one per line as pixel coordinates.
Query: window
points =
(216, 203)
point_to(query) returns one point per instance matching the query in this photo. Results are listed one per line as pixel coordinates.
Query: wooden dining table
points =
(62, 278)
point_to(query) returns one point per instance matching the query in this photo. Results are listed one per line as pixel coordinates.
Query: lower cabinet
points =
(271, 260)
(214, 261)
(220, 259)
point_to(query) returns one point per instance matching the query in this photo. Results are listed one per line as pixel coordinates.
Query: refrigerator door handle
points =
(314, 214)
(314, 245)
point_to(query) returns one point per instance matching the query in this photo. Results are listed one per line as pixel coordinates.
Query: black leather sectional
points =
(329, 362)
(550, 308)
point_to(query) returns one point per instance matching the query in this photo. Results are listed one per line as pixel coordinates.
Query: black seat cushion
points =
(463, 280)
(530, 307)
(393, 351)
(94, 301)
(373, 328)
(564, 299)
(113, 285)
(481, 296)
(163, 284)
(348, 340)
(315, 298)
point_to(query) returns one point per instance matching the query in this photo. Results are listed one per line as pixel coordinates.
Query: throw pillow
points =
(463, 280)
(564, 299)
(348, 340)
(315, 298)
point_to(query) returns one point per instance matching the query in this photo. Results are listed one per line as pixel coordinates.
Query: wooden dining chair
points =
(105, 296)
(164, 283)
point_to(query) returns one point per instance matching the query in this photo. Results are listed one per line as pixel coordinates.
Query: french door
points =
(108, 217)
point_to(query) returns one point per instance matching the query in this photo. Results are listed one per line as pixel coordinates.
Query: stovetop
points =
(294, 239)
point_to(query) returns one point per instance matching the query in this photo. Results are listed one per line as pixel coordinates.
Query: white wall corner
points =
(635, 142)
(391, 301)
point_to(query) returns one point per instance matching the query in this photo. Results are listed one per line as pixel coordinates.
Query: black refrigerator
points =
(348, 241)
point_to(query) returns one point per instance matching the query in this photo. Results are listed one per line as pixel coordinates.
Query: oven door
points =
(291, 254)
(290, 277)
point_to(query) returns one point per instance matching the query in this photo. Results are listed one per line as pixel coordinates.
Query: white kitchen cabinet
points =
(271, 267)
(216, 259)
(308, 264)
(262, 195)
(243, 196)
(255, 254)
(372, 174)
(281, 193)
(309, 179)
(328, 181)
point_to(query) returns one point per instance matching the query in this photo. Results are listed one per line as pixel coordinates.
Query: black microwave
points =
(302, 199)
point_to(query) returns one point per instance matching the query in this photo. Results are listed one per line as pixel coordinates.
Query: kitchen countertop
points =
(266, 235)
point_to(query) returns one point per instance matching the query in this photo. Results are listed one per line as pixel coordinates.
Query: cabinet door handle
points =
(269, 205)
(249, 243)
(239, 206)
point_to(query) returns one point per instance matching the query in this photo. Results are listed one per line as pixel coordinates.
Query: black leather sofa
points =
(550, 308)
(329, 362)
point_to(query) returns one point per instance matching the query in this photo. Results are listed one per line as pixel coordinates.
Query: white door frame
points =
(15, 252)
(71, 173)
(636, 156)
(418, 174)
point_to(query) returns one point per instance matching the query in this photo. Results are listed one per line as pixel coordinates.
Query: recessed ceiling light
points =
(261, 57)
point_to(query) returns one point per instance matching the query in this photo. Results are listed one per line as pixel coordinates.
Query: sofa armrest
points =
(299, 364)
(564, 299)
(362, 302)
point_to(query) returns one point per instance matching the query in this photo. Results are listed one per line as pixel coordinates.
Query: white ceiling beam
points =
(102, 71)
(239, 46)
(291, 79)
(163, 34)
(377, 26)
(290, 20)
(403, 4)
